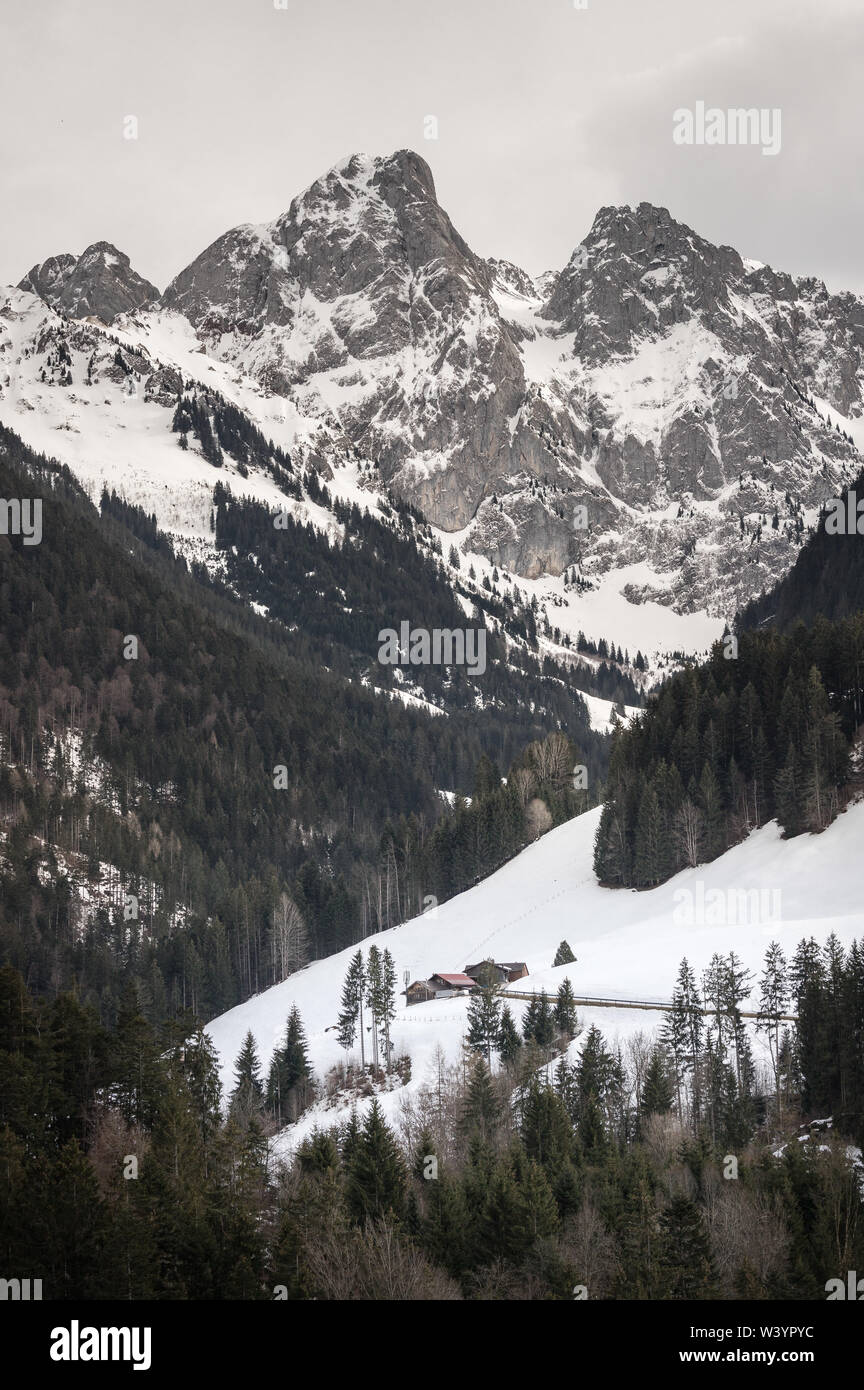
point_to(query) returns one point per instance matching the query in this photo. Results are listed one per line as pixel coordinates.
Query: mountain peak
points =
(357, 175)
(99, 283)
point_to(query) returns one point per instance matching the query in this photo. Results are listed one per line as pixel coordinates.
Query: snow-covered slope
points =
(628, 944)
(101, 400)
(661, 419)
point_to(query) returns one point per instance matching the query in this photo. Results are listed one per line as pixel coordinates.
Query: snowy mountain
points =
(628, 945)
(641, 383)
(641, 439)
(100, 283)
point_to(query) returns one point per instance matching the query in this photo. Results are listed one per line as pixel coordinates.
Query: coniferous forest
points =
(228, 763)
(237, 784)
(729, 745)
(126, 1172)
(431, 686)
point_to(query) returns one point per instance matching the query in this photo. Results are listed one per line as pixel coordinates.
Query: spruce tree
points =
(374, 997)
(509, 1042)
(290, 1076)
(539, 1021)
(484, 1021)
(565, 1010)
(481, 1112)
(248, 1092)
(686, 1265)
(375, 1179)
(351, 1015)
(657, 1094)
(773, 1003)
(564, 956)
(387, 1002)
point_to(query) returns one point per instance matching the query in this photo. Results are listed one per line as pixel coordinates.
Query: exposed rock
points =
(659, 401)
(100, 283)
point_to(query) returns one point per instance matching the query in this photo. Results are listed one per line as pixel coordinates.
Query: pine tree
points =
(682, 1034)
(773, 1003)
(484, 1021)
(374, 997)
(539, 1021)
(248, 1093)
(481, 1111)
(787, 794)
(135, 1065)
(657, 1093)
(598, 1080)
(565, 1009)
(648, 851)
(564, 956)
(545, 1127)
(387, 1002)
(375, 1173)
(351, 1015)
(290, 1076)
(687, 1269)
(509, 1042)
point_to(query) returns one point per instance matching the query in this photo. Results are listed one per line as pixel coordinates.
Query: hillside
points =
(162, 738)
(628, 945)
(639, 442)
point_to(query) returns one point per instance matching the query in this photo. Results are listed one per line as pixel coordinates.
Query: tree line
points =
(730, 744)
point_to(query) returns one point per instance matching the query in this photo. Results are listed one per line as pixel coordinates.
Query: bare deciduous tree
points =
(525, 783)
(689, 830)
(374, 1265)
(552, 759)
(588, 1246)
(290, 940)
(538, 818)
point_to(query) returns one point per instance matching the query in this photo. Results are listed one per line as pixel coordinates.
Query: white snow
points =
(628, 944)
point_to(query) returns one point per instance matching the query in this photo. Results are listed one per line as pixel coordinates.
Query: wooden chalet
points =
(487, 972)
(441, 986)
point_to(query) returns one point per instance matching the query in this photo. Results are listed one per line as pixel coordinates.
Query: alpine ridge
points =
(661, 418)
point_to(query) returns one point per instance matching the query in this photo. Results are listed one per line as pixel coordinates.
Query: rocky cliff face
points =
(100, 284)
(658, 403)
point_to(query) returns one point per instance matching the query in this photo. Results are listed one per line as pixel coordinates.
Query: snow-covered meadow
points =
(628, 944)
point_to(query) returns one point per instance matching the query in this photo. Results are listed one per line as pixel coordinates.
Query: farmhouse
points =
(497, 972)
(442, 986)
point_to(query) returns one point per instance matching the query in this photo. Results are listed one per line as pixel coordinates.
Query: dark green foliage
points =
(564, 956)
(481, 1115)
(535, 1188)
(657, 1093)
(187, 739)
(538, 1025)
(686, 1266)
(289, 1085)
(509, 1041)
(248, 1093)
(565, 1010)
(484, 1021)
(375, 1184)
(728, 745)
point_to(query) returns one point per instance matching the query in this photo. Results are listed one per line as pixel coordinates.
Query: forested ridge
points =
(126, 1173)
(220, 769)
(826, 580)
(764, 728)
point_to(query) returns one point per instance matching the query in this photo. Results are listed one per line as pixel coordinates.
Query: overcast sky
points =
(545, 112)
